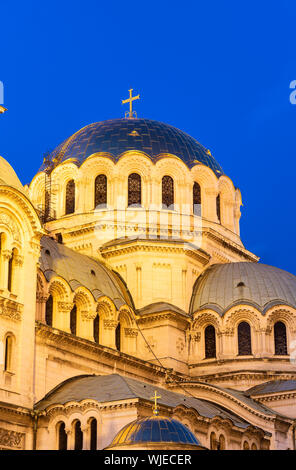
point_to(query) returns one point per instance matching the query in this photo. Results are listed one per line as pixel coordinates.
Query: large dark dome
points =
(116, 136)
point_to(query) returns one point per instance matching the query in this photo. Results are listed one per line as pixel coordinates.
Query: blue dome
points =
(116, 136)
(155, 429)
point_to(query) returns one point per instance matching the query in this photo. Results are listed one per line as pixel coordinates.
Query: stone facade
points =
(141, 326)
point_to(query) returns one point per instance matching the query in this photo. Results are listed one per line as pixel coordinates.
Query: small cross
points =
(155, 408)
(2, 109)
(130, 114)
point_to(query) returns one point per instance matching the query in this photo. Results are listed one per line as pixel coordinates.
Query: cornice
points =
(59, 337)
(228, 396)
(166, 315)
(153, 246)
(226, 243)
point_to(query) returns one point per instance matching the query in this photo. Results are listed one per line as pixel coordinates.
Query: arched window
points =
(78, 436)
(93, 434)
(246, 446)
(49, 310)
(196, 199)
(244, 339)
(213, 441)
(97, 329)
(210, 342)
(101, 191)
(134, 190)
(8, 353)
(280, 339)
(62, 436)
(70, 197)
(73, 320)
(11, 270)
(254, 447)
(218, 207)
(221, 442)
(167, 192)
(118, 337)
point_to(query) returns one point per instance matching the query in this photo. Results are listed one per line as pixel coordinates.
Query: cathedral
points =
(131, 314)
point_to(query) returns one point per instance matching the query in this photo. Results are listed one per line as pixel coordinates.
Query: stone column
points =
(131, 340)
(70, 438)
(62, 317)
(86, 437)
(86, 325)
(5, 257)
(108, 334)
(17, 263)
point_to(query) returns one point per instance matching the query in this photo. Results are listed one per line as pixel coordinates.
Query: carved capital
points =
(110, 324)
(7, 254)
(18, 260)
(131, 332)
(194, 336)
(65, 307)
(88, 315)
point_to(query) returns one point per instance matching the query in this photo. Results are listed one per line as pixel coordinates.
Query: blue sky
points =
(219, 70)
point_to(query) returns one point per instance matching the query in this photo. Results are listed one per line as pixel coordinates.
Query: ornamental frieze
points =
(8, 222)
(10, 309)
(11, 438)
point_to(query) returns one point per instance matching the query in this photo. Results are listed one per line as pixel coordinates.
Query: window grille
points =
(167, 192)
(134, 190)
(196, 199)
(49, 310)
(70, 197)
(244, 339)
(101, 191)
(73, 320)
(210, 342)
(280, 339)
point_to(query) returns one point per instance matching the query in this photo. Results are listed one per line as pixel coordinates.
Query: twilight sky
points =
(219, 71)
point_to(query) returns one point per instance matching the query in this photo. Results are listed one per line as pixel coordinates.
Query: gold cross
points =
(2, 109)
(130, 114)
(155, 408)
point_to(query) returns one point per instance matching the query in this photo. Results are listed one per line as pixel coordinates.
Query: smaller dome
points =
(222, 286)
(8, 175)
(157, 430)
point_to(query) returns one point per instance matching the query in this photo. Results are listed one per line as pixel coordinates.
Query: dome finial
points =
(131, 114)
(155, 407)
(2, 109)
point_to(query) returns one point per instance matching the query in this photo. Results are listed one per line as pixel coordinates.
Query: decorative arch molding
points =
(60, 289)
(95, 164)
(16, 204)
(226, 188)
(106, 308)
(84, 300)
(174, 167)
(134, 162)
(205, 177)
(236, 315)
(65, 171)
(37, 187)
(205, 318)
(287, 316)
